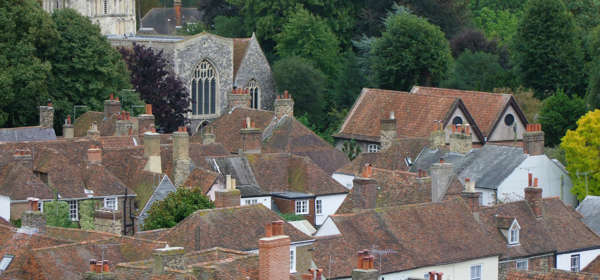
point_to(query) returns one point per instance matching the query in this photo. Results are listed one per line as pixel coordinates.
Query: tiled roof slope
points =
(555, 274)
(559, 230)
(416, 115)
(237, 228)
(19, 183)
(77, 235)
(590, 210)
(28, 133)
(485, 107)
(422, 235)
(163, 19)
(201, 178)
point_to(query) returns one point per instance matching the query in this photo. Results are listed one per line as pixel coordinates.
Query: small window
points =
(575, 263)
(110, 203)
(293, 259)
(6, 260)
(318, 206)
(251, 201)
(254, 91)
(73, 210)
(301, 207)
(41, 206)
(373, 148)
(509, 119)
(476, 272)
(522, 264)
(513, 233)
(457, 120)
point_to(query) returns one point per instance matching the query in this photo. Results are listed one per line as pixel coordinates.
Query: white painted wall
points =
(504, 132)
(5, 207)
(454, 271)
(344, 179)
(563, 261)
(488, 197)
(328, 228)
(553, 180)
(264, 200)
(330, 203)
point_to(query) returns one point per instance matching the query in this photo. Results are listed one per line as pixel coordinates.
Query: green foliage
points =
(449, 15)
(498, 24)
(16, 223)
(511, 5)
(308, 36)
(476, 71)
(592, 97)
(291, 217)
(306, 83)
(57, 214)
(559, 113)
(349, 82)
(411, 51)
(229, 26)
(176, 207)
(547, 50)
(192, 28)
(556, 153)
(582, 152)
(351, 149)
(86, 214)
(586, 13)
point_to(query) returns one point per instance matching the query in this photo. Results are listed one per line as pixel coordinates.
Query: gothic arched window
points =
(254, 94)
(204, 89)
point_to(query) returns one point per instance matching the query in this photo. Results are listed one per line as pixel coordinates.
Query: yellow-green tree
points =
(582, 151)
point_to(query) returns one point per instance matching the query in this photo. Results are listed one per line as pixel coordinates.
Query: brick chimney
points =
(168, 257)
(274, 253)
(32, 220)
(364, 190)
(152, 152)
(284, 105)
(441, 173)
(423, 178)
(533, 140)
(470, 196)
(124, 125)
(94, 155)
(365, 268)
(181, 155)
(111, 106)
(533, 196)
(93, 132)
(251, 137)
(228, 197)
(177, 5)
(99, 270)
(460, 139)
(47, 115)
(388, 131)
(239, 98)
(146, 120)
(435, 275)
(68, 129)
(208, 135)
(437, 138)
(24, 157)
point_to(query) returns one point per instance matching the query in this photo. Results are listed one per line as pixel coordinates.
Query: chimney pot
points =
(439, 275)
(431, 275)
(112, 97)
(269, 230)
(93, 265)
(530, 180)
(535, 182)
(105, 267)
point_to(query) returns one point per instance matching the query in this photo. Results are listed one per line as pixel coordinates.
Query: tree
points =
(85, 68)
(411, 51)
(559, 114)
(547, 50)
(349, 82)
(582, 152)
(57, 214)
(592, 97)
(305, 82)
(476, 71)
(157, 86)
(351, 149)
(498, 24)
(449, 15)
(27, 36)
(473, 40)
(176, 207)
(308, 36)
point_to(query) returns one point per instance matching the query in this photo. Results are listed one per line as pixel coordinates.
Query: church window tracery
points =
(254, 90)
(204, 88)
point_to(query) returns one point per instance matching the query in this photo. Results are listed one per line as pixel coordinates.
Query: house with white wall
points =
(5, 207)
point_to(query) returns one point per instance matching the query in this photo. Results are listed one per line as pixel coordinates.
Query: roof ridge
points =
(466, 91)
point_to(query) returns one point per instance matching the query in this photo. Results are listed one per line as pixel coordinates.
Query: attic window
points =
(373, 148)
(6, 260)
(513, 233)
(509, 119)
(408, 161)
(457, 120)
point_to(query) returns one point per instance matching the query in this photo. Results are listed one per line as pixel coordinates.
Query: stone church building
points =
(113, 16)
(212, 66)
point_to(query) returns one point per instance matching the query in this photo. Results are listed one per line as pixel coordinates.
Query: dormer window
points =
(513, 233)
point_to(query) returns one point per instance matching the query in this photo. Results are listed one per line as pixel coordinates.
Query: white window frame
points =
(513, 233)
(107, 201)
(292, 259)
(41, 206)
(5, 262)
(575, 267)
(523, 263)
(301, 207)
(73, 210)
(318, 206)
(476, 271)
(373, 148)
(250, 201)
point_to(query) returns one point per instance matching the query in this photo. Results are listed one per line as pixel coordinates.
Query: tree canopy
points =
(176, 207)
(476, 71)
(559, 114)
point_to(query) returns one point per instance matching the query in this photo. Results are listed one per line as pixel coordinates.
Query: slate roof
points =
(560, 229)
(19, 183)
(237, 228)
(589, 208)
(555, 274)
(164, 188)
(27, 133)
(485, 107)
(163, 19)
(416, 115)
(412, 231)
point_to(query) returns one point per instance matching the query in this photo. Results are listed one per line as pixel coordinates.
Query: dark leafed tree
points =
(158, 86)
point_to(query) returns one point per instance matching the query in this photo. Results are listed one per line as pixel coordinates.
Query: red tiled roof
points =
(19, 182)
(227, 126)
(201, 178)
(555, 274)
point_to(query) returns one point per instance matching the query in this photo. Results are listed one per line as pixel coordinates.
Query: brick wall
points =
(274, 257)
(227, 198)
(288, 206)
(543, 264)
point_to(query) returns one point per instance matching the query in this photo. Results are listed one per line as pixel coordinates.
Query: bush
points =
(176, 207)
(57, 214)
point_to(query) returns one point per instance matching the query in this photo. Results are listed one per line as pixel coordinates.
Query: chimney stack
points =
(460, 139)
(441, 173)
(181, 155)
(94, 155)
(470, 196)
(123, 125)
(435, 275)
(33, 220)
(111, 106)
(168, 257)
(47, 115)
(364, 189)
(25, 157)
(284, 105)
(228, 197)
(177, 5)
(251, 137)
(423, 178)
(274, 253)
(146, 120)
(152, 152)
(208, 135)
(533, 196)
(365, 268)
(239, 98)
(388, 131)
(68, 129)
(533, 140)
(438, 137)
(93, 132)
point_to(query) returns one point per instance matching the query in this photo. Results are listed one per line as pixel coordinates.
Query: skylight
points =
(6, 260)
